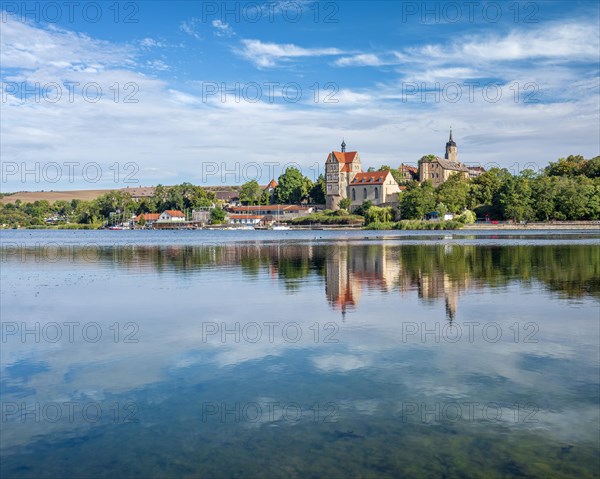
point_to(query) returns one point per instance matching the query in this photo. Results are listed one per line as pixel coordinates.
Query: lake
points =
(299, 354)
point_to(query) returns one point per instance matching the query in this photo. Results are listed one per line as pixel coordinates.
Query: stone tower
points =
(451, 151)
(340, 169)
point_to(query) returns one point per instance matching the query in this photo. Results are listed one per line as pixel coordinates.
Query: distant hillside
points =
(52, 196)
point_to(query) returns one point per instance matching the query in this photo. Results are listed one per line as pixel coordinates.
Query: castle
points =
(438, 170)
(346, 179)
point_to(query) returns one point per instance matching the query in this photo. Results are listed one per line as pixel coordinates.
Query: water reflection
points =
(366, 292)
(436, 272)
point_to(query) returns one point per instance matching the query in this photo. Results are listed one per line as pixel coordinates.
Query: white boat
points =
(281, 228)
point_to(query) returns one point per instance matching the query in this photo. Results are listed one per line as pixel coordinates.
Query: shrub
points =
(467, 217)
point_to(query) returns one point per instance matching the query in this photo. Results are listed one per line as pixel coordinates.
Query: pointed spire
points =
(450, 140)
(343, 146)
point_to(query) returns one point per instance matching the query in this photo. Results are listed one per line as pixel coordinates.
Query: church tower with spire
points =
(451, 151)
(340, 169)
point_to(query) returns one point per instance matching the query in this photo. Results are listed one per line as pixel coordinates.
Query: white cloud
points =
(170, 131)
(26, 47)
(268, 54)
(361, 60)
(570, 41)
(158, 65)
(480, 54)
(190, 27)
(222, 29)
(370, 60)
(151, 43)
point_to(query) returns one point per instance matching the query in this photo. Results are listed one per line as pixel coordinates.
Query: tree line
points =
(117, 204)
(568, 189)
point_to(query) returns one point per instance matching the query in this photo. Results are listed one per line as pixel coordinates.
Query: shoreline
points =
(575, 225)
(564, 226)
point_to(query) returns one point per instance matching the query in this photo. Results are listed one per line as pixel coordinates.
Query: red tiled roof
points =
(344, 157)
(280, 208)
(272, 184)
(370, 178)
(148, 216)
(245, 217)
(175, 213)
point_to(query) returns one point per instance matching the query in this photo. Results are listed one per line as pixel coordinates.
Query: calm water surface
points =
(299, 354)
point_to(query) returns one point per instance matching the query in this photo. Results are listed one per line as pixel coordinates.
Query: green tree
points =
(250, 193)
(454, 193)
(376, 214)
(217, 216)
(487, 185)
(570, 166)
(114, 201)
(88, 212)
(544, 191)
(514, 199)
(291, 187)
(61, 207)
(363, 208)
(345, 203)
(591, 169)
(265, 197)
(317, 192)
(441, 210)
(417, 200)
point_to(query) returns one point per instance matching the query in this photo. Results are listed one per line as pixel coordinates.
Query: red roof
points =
(272, 184)
(245, 217)
(148, 216)
(275, 208)
(175, 213)
(370, 178)
(344, 156)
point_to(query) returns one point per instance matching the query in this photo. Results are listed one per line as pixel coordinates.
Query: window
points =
(329, 187)
(376, 193)
(328, 177)
(432, 175)
(365, 193)
(353, 194)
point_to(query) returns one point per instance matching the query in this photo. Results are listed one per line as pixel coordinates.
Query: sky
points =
(124, 94)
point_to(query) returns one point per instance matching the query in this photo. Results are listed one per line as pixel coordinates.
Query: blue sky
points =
(136, 88)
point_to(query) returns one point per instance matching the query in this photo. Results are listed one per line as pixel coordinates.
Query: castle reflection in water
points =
(436, 271)
(350, 269)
